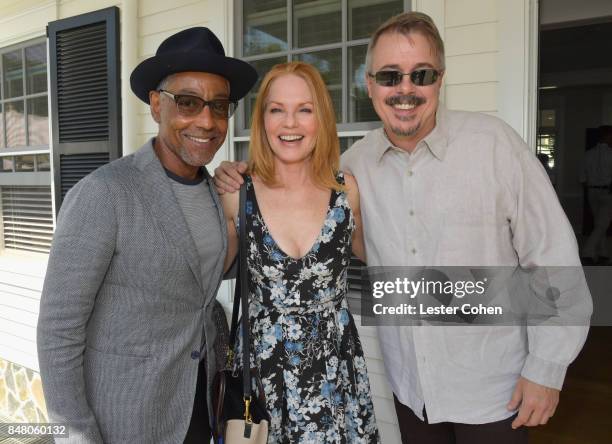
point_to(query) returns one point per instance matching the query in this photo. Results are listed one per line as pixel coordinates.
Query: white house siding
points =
(382, 395)
(21, 274)
(21, 20)
(474, 58)
(471, 55)
(21, 278)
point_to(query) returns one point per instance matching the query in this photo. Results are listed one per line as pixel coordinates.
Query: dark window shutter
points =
(85, 95)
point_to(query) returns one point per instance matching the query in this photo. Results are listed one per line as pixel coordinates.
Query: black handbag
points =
(239, 417)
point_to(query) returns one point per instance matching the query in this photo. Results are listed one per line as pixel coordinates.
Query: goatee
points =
(406, 132)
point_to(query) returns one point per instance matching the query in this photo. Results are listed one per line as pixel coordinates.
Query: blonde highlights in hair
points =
(325, 156)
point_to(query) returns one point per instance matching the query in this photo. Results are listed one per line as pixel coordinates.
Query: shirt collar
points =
(436, 141)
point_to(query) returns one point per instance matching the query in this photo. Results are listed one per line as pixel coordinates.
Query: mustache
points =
(402, 99)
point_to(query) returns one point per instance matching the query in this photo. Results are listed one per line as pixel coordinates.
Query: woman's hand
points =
(228, 176)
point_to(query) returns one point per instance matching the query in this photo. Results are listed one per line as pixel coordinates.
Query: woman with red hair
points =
(302, 222)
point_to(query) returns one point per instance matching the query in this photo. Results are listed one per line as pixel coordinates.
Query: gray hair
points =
(404, 24)
(163, 84)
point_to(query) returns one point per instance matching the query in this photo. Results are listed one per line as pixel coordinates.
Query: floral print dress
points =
(304, 338)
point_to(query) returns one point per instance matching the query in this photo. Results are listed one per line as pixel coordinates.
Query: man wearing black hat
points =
(127, 322)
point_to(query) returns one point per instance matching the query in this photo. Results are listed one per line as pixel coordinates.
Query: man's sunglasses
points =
(191, 106)
(419, 77)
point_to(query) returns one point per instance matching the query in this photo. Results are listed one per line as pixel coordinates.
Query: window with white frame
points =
(332, 35)
(25, 178)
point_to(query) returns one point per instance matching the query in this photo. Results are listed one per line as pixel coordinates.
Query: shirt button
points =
(195, 354)
(414, 251)
(411, 212)
(410, 173)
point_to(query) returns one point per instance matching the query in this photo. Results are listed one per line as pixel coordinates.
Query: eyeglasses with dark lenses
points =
(190, 106)
(419, 77)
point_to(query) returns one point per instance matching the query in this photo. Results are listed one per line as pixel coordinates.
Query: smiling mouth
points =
(199, 139)
(405, 102)
(290, 138)
(404, 106)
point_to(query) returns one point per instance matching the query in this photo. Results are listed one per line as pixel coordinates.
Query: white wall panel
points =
(471, 68)
(480, 97)
(194, 14)
(16, 354)
(471, 39)
(69, 8)
(13, 318)
(467, 12)
(149, 7)
(25, 20)
(16, 7)
(517, 66)
(389, 433)
(385, 409)
(380, 386)
(11, 297)
(21, 280)
(148, 44)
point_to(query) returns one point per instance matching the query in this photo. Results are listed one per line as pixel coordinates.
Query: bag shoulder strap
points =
(244, 297)
(241, 297)
(238, 284)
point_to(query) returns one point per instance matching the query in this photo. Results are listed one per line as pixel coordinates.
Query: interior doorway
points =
(575, 97)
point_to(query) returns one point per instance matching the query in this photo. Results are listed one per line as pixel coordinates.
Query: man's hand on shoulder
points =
(228, 176)
(537, 403)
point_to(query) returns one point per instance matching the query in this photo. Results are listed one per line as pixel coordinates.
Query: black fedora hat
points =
(193, 49)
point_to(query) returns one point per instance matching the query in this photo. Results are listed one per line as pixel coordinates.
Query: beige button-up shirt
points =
(471, 193)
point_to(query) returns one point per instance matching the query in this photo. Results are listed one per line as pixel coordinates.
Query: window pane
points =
(241, 150)
(360, 105)
(36, 65)
(262, 67)
(316, 22)
(24, 163)
(6, 164)
(13, 74)
(329, 64)
(15, 124)
(365, 16)
(345, 143)
(38, 121)
(265, 26)
(42, 162)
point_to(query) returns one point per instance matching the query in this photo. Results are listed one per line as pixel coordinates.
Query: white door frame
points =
(518, 66)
